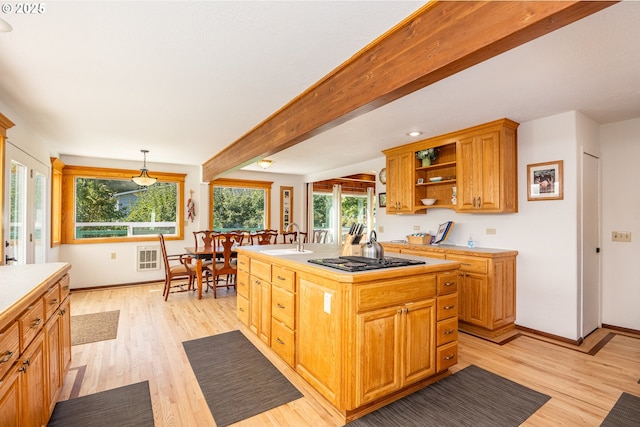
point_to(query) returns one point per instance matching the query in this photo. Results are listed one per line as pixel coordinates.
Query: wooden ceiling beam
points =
(437, 41)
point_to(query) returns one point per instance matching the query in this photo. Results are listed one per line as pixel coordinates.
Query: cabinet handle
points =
(448, 283)
(474, 202)
(399, 311)
(22, 369)
(36, 322)
(65, 287)
(449, 332)
(448, 307)
(279, 341)
(466, 264)
(27, 362)
(406, 309)
(479, 202)
(281, 278)
(7, 356)
(449, 357)
(281, 306)
(54, 302)
(241, 309)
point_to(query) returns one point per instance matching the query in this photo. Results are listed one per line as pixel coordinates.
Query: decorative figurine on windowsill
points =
(427, 156)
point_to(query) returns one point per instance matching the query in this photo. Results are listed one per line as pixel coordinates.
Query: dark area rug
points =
(237, 381)
(625, 413)
(88, 328)
(470, 397)
(128, 406)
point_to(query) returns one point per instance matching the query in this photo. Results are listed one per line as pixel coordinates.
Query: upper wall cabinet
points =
(474, 170)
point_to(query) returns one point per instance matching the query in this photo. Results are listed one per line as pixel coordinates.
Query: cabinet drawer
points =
(260, 269)
(51, 301)
(282, 341)
(65, 287)
(447, 331)
(284, 278)
(447, 306)
(447, 283)
(395, 292)
(470, 264)
(282, 303)
(446, 355)
(242, 310)
(242, 283)
(9, 348)
(243, 263)
(424, 253)
(31, 322)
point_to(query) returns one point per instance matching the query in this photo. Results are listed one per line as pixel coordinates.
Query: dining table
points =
(201, 254)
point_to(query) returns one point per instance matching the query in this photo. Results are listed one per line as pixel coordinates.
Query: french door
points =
(25, 225)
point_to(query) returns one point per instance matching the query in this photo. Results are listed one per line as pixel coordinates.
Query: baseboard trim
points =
(121, 285)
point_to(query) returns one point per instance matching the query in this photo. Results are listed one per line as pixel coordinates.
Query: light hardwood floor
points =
(583, 388)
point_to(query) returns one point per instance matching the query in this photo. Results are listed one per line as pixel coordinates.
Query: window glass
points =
(119, 208)
(240, 205)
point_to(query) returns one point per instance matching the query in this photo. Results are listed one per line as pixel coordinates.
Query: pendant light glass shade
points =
(144, 179)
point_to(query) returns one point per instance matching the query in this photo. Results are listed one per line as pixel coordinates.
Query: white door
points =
(26, 190)
(590, 309)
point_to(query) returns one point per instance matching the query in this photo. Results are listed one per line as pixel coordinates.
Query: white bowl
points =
(428, 202)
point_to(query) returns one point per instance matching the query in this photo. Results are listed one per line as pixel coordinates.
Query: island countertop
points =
(300, 262)
(20, 283)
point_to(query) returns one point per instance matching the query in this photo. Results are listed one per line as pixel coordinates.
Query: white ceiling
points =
(186, 79)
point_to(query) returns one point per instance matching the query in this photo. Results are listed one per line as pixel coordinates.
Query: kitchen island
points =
(361, 339)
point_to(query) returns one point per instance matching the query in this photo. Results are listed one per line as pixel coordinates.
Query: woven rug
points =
(128, 406)
(87, 328)
(237, 381)
(625, 413)
(471, 397)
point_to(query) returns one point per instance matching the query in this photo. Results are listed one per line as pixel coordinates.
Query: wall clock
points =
(382, 176)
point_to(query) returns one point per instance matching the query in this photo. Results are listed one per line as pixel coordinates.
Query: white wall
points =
(621, 212)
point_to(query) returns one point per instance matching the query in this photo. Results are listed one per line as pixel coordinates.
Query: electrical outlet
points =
(113, 255)
(381, 229)
(491, 231)
(416, 228)
(620, 236)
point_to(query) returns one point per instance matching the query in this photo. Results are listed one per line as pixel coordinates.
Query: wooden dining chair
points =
(226, 264)
(177, 269)
(289, 236)
(264, 237)
(320, 236)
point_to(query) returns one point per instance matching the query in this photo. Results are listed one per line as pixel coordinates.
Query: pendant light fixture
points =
(144, 179)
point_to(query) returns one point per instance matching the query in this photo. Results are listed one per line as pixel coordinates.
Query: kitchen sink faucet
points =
(299, 244)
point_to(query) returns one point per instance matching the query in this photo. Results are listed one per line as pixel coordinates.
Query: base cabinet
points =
(393, 345)
(486, 285)
(35, 349)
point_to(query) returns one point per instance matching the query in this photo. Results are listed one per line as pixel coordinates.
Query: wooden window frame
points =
(70, 173)
(242, 183)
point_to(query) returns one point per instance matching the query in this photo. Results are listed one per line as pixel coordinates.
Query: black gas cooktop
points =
(358, 263)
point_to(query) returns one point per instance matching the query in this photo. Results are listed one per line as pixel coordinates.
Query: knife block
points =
(349, 249)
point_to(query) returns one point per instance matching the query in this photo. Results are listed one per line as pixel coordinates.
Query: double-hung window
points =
(104, 205)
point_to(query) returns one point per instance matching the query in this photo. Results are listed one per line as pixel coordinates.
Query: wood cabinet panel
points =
(31, 322)
(10, 404)
(282, 306)
(447, 356)
(283, 278)
(282, 341)
(447, 331)
(394, 292)
(9, 348)
(260, 269)
(242, 310)
(242, 283)
(34, 384)
(447, 306)
(480, 162)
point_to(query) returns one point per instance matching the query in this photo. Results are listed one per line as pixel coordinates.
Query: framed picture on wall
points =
(544, 181)
(286, 207)
(382, 200)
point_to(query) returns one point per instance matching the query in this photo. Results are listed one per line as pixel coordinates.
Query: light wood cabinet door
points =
(34, 382)
(479, 172)
(10, 406)
(419, 341)
(65, 333)
(54, 362)
(473, 304)
(400, 182)
(395, 347)
(260, 308)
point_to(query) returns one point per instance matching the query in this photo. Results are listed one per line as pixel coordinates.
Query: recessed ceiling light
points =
(415, 133)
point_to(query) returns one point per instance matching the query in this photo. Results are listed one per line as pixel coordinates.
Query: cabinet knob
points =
(449, 357)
